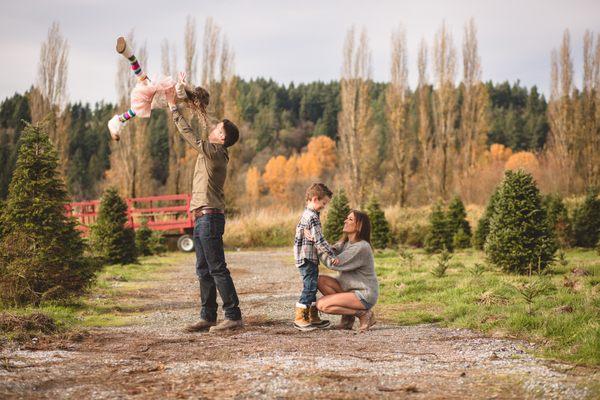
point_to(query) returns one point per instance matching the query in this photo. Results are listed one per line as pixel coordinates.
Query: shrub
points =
(586, 220)
(337, 213)
(558, 218)
(443, 263)
(143, 237)
(440, 233)
(110, 239)
(457, 218)
(520, 238)
(483, 226)
(41, 252)
(380, 228)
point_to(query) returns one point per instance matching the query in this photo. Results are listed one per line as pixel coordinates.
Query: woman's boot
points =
(346, 322)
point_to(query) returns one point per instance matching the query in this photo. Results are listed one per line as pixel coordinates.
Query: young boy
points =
(305, 252)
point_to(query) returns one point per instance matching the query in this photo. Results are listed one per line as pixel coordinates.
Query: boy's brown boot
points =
(302, 320)
(315, 320)
(202, 325)
(227, 325)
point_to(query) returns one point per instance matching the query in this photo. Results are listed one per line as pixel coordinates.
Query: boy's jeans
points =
(309, 272)
(211, 269)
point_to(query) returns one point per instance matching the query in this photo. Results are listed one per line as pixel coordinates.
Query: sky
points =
(288, 41)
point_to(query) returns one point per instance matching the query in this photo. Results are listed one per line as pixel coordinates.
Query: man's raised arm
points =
(185, 129)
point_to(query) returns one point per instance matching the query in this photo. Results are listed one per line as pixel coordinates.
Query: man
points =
(208, 208)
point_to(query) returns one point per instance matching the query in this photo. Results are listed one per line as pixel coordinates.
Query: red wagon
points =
(169, 214)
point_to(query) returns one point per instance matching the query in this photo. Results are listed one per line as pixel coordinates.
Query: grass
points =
(110, 302)
(558, 310)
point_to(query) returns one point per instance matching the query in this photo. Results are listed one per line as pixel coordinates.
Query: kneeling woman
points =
(354, 292)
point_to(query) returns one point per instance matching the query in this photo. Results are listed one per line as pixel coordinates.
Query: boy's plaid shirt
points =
(305, 249)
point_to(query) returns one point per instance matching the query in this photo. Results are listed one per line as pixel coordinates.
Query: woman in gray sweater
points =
(355, 291)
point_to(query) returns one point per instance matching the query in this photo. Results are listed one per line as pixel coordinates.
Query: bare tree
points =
(130, 166)
(444, 101)
(210, 52)
(472, 134)
(561, 113)
(189, 43)
(49, 97)
(588, 115)
(396, 105)
(355, 115)
(425, 133)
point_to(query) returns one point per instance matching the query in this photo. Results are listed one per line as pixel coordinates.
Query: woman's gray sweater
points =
(356, 267)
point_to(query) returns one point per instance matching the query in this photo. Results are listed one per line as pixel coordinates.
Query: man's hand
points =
(335, 261)
(180, 86)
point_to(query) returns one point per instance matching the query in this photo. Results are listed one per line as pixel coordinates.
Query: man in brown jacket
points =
(208, 207)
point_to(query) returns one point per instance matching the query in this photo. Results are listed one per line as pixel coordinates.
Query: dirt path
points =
(269, 359)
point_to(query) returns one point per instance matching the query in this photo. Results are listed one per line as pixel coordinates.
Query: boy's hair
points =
(232, 133)
(319, 190)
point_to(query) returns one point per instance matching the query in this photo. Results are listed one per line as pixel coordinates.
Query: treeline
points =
(278, 120)
(409, 146)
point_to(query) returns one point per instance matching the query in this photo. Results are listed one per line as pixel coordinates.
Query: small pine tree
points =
(586, 220)
(483, 225)
(558, 218)
(110, 239)
(520, 238)
(380, 228)
(336, 215)
(143, 238)
(41, 251)
(440, 234)
(460, 228)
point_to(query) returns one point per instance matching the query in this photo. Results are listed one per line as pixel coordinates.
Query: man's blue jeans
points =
(211, 269)
(310, 274)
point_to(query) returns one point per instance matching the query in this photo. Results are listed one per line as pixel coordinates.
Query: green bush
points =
(558, 218)
(586, 220)
(380, 228)
(143, 237)
(111, 240)
(520, 238)
(483, 225)
(336, 215)
(440, 231)
(41, 251)
(459, 226)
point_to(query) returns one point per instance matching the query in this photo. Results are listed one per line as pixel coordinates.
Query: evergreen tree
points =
(460, 228)
(143, 238)
(110, 239)
(558, 218)
(380, 228)
(586, 220)
(483, 225)
(41, 251)
(336, 215)
(440, 233)
(520, 238)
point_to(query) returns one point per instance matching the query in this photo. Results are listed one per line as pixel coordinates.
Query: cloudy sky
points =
(297, 41)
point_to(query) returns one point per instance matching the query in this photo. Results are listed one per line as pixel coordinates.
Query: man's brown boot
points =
(315, 320)
(227, 325)
(346, 323)
(302, 319)
(201, 325)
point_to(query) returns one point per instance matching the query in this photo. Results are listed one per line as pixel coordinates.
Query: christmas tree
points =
(337, 213)
(520, 238)
(41, 251)
(440, 232)
(559, 220)
(110, 238)
(586, 220)
(380, 228)
(483, 225)
(459, 226)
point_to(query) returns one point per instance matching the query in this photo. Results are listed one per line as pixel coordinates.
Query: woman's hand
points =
(309, 235)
